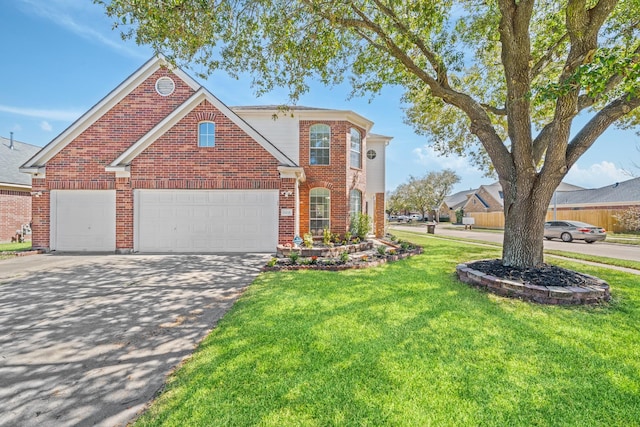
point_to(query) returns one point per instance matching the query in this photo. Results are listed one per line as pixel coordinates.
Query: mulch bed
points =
(547, 275)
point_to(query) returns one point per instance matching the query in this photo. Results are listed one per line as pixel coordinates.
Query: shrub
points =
(293, 256)
(326, 236)
(382, 250)
(629, 219)
(307, 240)
(347, 236)
(360, 225)
(459, 215)
(272, 262)
(344, 256)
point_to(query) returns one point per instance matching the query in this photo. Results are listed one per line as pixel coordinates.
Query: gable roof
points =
(457, 200)
(202, 94)
(620, 192)
(98, 110)
(11, 159)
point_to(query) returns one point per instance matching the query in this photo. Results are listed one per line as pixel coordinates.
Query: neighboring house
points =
(598, 206)
(490, 198)
(454, 202)
(15, 187)
(621, 195)
(160, 165)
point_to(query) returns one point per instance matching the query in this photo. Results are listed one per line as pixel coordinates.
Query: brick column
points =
(378, 215)
(40, 214)
(286, 224)
(124, 216)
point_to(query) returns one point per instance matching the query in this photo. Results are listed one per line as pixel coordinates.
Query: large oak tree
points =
(499, 80)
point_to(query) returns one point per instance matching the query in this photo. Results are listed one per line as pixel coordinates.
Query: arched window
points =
(356, 149)
(206, 134)
(319, 210)
(355, 202)
(319, 144)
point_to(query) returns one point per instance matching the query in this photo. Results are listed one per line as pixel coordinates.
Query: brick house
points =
(15, 187)
(160, 165)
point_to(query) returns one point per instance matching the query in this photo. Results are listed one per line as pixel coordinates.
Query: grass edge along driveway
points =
(406, 344)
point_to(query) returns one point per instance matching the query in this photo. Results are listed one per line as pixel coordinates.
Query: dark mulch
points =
(547, 275)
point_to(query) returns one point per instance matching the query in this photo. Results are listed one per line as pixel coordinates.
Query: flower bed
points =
(353, 256)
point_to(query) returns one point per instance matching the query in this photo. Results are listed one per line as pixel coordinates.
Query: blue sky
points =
(60, 57)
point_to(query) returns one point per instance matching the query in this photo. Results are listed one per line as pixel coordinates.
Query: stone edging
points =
(347, 266)
(594, 291)
(25, 253)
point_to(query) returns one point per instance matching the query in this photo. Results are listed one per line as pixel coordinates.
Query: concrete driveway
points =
(89, 340)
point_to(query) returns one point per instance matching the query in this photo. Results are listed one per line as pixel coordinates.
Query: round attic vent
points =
(371, 154)
(165, 86)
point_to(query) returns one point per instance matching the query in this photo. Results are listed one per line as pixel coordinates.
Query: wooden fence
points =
(600, 217)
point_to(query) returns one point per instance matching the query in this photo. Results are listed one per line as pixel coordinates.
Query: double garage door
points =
(168, 220)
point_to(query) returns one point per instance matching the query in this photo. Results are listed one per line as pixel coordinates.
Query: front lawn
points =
(406, 344)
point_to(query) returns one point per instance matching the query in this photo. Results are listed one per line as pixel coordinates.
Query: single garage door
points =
(206, 220)
(83, 220)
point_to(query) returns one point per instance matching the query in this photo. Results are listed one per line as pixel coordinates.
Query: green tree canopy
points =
(499, 78)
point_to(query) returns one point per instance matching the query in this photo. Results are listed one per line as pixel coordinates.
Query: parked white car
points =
(415, 217)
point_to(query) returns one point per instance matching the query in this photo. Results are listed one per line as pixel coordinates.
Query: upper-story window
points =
(356, 149)
(319, 144)
(206, 134)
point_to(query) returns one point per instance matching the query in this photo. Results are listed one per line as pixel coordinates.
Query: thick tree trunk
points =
(524, 225)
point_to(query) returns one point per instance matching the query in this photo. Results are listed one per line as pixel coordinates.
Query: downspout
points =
(296, 225)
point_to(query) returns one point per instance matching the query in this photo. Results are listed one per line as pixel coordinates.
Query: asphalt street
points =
(604, 249)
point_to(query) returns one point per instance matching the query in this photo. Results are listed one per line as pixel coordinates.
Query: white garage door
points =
(83, 220)
(206, 220)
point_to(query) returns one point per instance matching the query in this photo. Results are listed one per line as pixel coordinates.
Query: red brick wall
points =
(379, 215)
(15, 210)
(338, 176)
(81, 164)
(173, 161)
(40, 214)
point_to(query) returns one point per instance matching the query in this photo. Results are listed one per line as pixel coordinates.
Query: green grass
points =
(7, 249)
(14, 247)
(599, 259)
(406, 344)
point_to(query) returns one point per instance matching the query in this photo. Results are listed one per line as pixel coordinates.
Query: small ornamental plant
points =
(344, 256)
(314, 260)
(272, 262)
(382, 250)
(308, 240)
(326, 236)
(364, 258)
(392, 252)
(293, 256)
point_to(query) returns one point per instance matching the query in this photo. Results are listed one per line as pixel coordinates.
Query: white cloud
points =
(74, 18)
(429, 157)
(597, 175)
(45, 126)
(16, 128)
(63, 115)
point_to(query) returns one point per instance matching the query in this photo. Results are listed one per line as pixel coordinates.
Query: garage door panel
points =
(83, 220)
(206, 220)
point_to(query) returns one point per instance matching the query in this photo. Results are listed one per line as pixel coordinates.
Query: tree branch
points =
(598, 124)
(546, 58)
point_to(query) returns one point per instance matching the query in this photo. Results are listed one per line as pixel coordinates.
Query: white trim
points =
(295, 172)
(102, 107)
(312, 115)
(179, 113)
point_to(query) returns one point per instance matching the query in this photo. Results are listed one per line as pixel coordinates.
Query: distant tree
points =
(500, 80)
(396, 202)
(427, 193)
